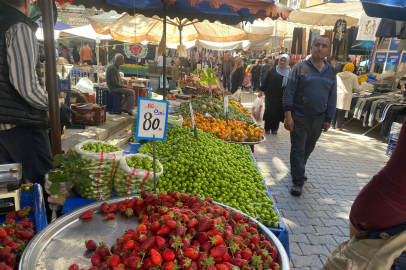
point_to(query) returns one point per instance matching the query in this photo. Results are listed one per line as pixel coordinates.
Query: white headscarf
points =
(284, 72)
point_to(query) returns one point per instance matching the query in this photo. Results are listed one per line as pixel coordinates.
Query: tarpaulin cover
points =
(327, 14)
(389, 9)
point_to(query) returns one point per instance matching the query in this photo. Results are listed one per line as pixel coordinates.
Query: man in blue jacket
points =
(309, 104)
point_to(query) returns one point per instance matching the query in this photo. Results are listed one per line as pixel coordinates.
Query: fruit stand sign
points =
(135, 50)
(226, 105)
(152, 119)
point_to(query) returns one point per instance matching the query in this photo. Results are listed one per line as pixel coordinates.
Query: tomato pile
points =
(14, 236)
(100, 147)
(235, 131)
(210, 168)
(180, 231)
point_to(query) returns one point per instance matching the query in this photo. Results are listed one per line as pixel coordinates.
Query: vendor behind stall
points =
(114, 84)
(23, 101)
(175, 70)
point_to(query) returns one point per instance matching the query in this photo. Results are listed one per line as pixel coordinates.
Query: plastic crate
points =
(149, 92)
(101, 95)
(93, 117)
(64, 86)
(113, 102)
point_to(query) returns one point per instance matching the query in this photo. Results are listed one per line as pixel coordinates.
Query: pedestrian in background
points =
(237, 75)
(274, 86)
(86, 55)
(228, 66)
(309, 103)
(65, 53)
(256, 74)
(75, 54)
(265, 68)
(347, 84)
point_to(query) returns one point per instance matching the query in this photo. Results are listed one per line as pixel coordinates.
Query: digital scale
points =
(10, 186)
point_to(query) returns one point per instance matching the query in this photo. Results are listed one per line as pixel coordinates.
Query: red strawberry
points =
(180, 231)
(164, 230)
(274, 253)
(91, 245)
(191, 253)
(10, 230)
(218, 251)
(238, 262)
(134, 262)
(216, 240)
(202, 237)
(22, 214)
(255, 239)
(226, 257)
(156, 258)
(168, 255)
(113, 208)
(11, 215)
(3, 233)
(221, 267)
(104, 252)
(109, 216)
(73, 267)
(246, 254)
(171, 224)
(160, 241)
(6, 241)
(87, 214)
(105, 208)
(113, 260)
(96, 260)
(275, 266)
(128, 246)
(192, 223)
(141, 228)
(139, 202)
(204, 224)
(168, 266)
(144, 219)
(206, 246)
(4, 251)
(14, 246)
(148, 264)
(148, 244)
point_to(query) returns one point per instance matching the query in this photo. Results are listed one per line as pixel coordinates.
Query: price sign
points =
(226, 105)
(192, 114)
(210, 89)
(152, 119)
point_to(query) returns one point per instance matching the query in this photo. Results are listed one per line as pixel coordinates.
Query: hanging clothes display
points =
(338, 33)
(367, 27)
(298, 41)
(312, 36)
(388, 28)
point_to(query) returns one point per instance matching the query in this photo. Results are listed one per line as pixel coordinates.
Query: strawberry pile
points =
(14, 236)
(180, 231)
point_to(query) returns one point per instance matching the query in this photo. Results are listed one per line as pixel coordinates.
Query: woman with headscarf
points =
(274, 86)
(347, 83)
(237, 75)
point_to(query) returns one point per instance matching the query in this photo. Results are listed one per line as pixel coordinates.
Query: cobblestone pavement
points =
(339, 167)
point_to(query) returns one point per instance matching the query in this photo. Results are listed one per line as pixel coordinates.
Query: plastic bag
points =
(85, 86)
(237, 96)
(174, 122)
(134, 127)
(371, 78)
(101, 167)
(366, 87)
(65, 189)
(257, 109)
(128, 181)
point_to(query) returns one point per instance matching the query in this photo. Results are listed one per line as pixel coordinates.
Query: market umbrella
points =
(327, 14)
(389, 9)
(138, 28)
(229, 12)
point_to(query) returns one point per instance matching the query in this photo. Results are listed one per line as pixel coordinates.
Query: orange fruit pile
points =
(236, 131)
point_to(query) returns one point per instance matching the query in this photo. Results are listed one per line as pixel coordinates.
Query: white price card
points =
(152, 118)
(192, 114)
(226, 105)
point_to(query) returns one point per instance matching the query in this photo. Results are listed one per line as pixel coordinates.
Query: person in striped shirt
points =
(23, 101)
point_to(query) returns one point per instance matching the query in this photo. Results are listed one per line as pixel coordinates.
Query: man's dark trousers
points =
(306, 132)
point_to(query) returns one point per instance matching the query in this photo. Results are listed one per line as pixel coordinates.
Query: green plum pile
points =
(209, 167)
(214, 107)
(100, 160)
(266, 215)
(135, 174)
(100, 147)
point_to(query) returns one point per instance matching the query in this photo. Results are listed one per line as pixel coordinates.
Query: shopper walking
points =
(75, 54)
(114, 84)
(256, 74)
(265, 68)
(309, 104)
(274, 86)
(347, 83)
(86, 55)
(23, 101)
(228, 66)
(237, 75)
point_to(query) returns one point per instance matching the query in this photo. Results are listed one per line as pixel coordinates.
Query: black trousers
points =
(255, 83)
(338, 118)
(272, 125)
(336, 46)
(305, 134)
(30, 147)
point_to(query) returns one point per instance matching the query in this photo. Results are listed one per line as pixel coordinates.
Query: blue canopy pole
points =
(164, 54)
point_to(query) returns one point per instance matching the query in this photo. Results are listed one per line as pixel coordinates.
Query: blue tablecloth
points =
(35, 199)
